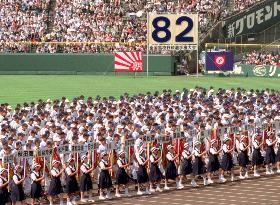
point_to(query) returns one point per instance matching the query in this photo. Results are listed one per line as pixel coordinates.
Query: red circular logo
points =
(220, 60)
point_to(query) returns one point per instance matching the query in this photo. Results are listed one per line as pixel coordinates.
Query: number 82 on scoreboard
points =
(173, 29)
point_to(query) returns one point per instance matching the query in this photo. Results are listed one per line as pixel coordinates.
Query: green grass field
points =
(25, 88)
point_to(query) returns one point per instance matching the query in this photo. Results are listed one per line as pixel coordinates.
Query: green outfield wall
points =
(98, 64)
(269, 71)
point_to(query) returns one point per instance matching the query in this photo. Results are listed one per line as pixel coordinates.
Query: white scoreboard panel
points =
(173, 30)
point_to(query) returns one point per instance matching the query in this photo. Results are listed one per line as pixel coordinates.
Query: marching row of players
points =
(191, 163)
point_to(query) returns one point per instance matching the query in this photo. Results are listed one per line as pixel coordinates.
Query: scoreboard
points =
(173, 30)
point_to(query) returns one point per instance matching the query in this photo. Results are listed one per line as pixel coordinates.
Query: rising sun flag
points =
(128, 62)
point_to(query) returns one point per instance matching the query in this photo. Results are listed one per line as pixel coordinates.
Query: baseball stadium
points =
(139, 102)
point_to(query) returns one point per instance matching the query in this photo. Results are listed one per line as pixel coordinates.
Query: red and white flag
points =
(128, 62)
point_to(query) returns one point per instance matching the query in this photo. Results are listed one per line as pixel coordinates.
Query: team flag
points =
(128, 62)
(219, 61)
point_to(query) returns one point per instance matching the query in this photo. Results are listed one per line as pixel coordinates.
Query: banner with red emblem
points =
(219, 61)
(128, 62)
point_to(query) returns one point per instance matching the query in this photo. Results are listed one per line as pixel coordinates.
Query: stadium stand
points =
(95, 21)
(262, 58)
(22, 21)
(240, 5)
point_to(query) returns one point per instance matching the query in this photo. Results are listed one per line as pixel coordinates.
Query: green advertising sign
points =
(257, 70)
(251, 71)
(255, 20)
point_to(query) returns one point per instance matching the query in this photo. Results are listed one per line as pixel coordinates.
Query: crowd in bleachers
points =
(94, 21)
(24, 20)
(262, 58)
(243, 4)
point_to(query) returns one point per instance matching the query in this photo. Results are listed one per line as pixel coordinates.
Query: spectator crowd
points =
(243, 4)
(24, 20)
(98, 21)
(262, 58)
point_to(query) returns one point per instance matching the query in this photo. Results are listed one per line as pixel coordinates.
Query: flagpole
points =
(147, 41)
(197, 63)
(9, 187)
(44, 172)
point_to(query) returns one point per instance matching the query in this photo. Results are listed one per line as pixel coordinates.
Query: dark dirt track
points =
(255, 191)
